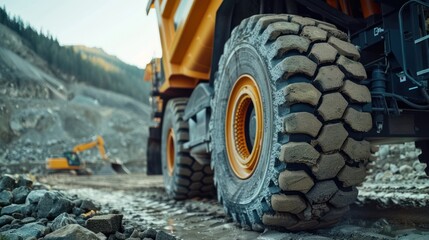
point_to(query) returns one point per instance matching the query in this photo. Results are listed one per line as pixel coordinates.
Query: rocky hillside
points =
(45, 111)
(72, 64)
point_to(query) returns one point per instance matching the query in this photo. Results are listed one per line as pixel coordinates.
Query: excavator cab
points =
(69, 161)
(72, 158)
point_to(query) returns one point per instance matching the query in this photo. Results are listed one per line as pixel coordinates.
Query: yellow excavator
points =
(71, 161)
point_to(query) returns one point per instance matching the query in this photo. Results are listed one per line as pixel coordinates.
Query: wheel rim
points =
(170, 152)
(244, 127)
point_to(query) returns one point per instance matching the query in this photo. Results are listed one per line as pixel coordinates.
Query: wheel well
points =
(232, 12)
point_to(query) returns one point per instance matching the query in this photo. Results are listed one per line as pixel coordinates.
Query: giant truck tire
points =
(288, 123)
(153, 157)
(184, 177)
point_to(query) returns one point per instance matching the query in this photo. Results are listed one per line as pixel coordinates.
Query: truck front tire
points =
(304, 77)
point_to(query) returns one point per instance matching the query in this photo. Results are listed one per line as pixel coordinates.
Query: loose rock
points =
(5, 198)
(164, 236)
(5, 220)
(88, 205)
(24, 181)
(149, 233)
(30, 230)
(72, 231)
(7, 182)
(106, 224)
(61, 221)
(20, 194)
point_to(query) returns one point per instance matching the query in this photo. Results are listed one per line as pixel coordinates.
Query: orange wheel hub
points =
(170, 152)
(244, 126)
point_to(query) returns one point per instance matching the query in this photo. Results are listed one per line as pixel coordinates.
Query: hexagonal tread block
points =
(294, 65)
(333, 106)
(279, 220)
(302, 122)
(288, 203)
(183, 171)
(323, 53)
(195, 186)
(299, 152)
(303, 21)
(333, 31)
(343, 199)
(329, 78)
(332, 137)
(322, 192)
(358, 121)
(328, 166)
(197, 176)
(314, 33)
(352, 176)
(352, 68)
(288, 43)
(356, 92)
(264, 21)
(274, 30)
(295, 181)
(345, 48)
(357, 150)
(301, 93)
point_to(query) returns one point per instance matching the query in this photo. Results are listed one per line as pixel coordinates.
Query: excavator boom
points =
(99, 143)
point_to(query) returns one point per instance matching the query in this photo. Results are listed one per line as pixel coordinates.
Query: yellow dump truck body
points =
(187, 33)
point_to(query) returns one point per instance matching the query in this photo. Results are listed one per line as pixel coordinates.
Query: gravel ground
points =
(392, 204)
(31, 210)
(144, 203)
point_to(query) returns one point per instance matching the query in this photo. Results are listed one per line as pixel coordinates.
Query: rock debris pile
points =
(31, 211)
(397, 162)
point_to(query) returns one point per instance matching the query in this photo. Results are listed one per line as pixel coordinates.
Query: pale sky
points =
(120, 27)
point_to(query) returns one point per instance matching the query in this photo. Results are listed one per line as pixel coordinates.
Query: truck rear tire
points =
(184, 177)
(153, 161)
(288, 123)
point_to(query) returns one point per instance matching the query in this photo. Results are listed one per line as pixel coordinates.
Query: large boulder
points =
(72, 232)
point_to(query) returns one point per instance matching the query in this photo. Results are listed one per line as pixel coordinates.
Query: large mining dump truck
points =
(272, 106)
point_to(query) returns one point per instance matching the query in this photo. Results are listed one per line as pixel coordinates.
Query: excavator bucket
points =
(119, 168)
(111, 168)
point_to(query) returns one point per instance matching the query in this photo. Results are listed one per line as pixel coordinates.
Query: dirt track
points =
(142, 199)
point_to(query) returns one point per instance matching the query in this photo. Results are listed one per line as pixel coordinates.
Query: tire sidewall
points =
(168, 123)
(242, 59)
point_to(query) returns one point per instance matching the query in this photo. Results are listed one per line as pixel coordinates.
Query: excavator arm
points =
(99, 143)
